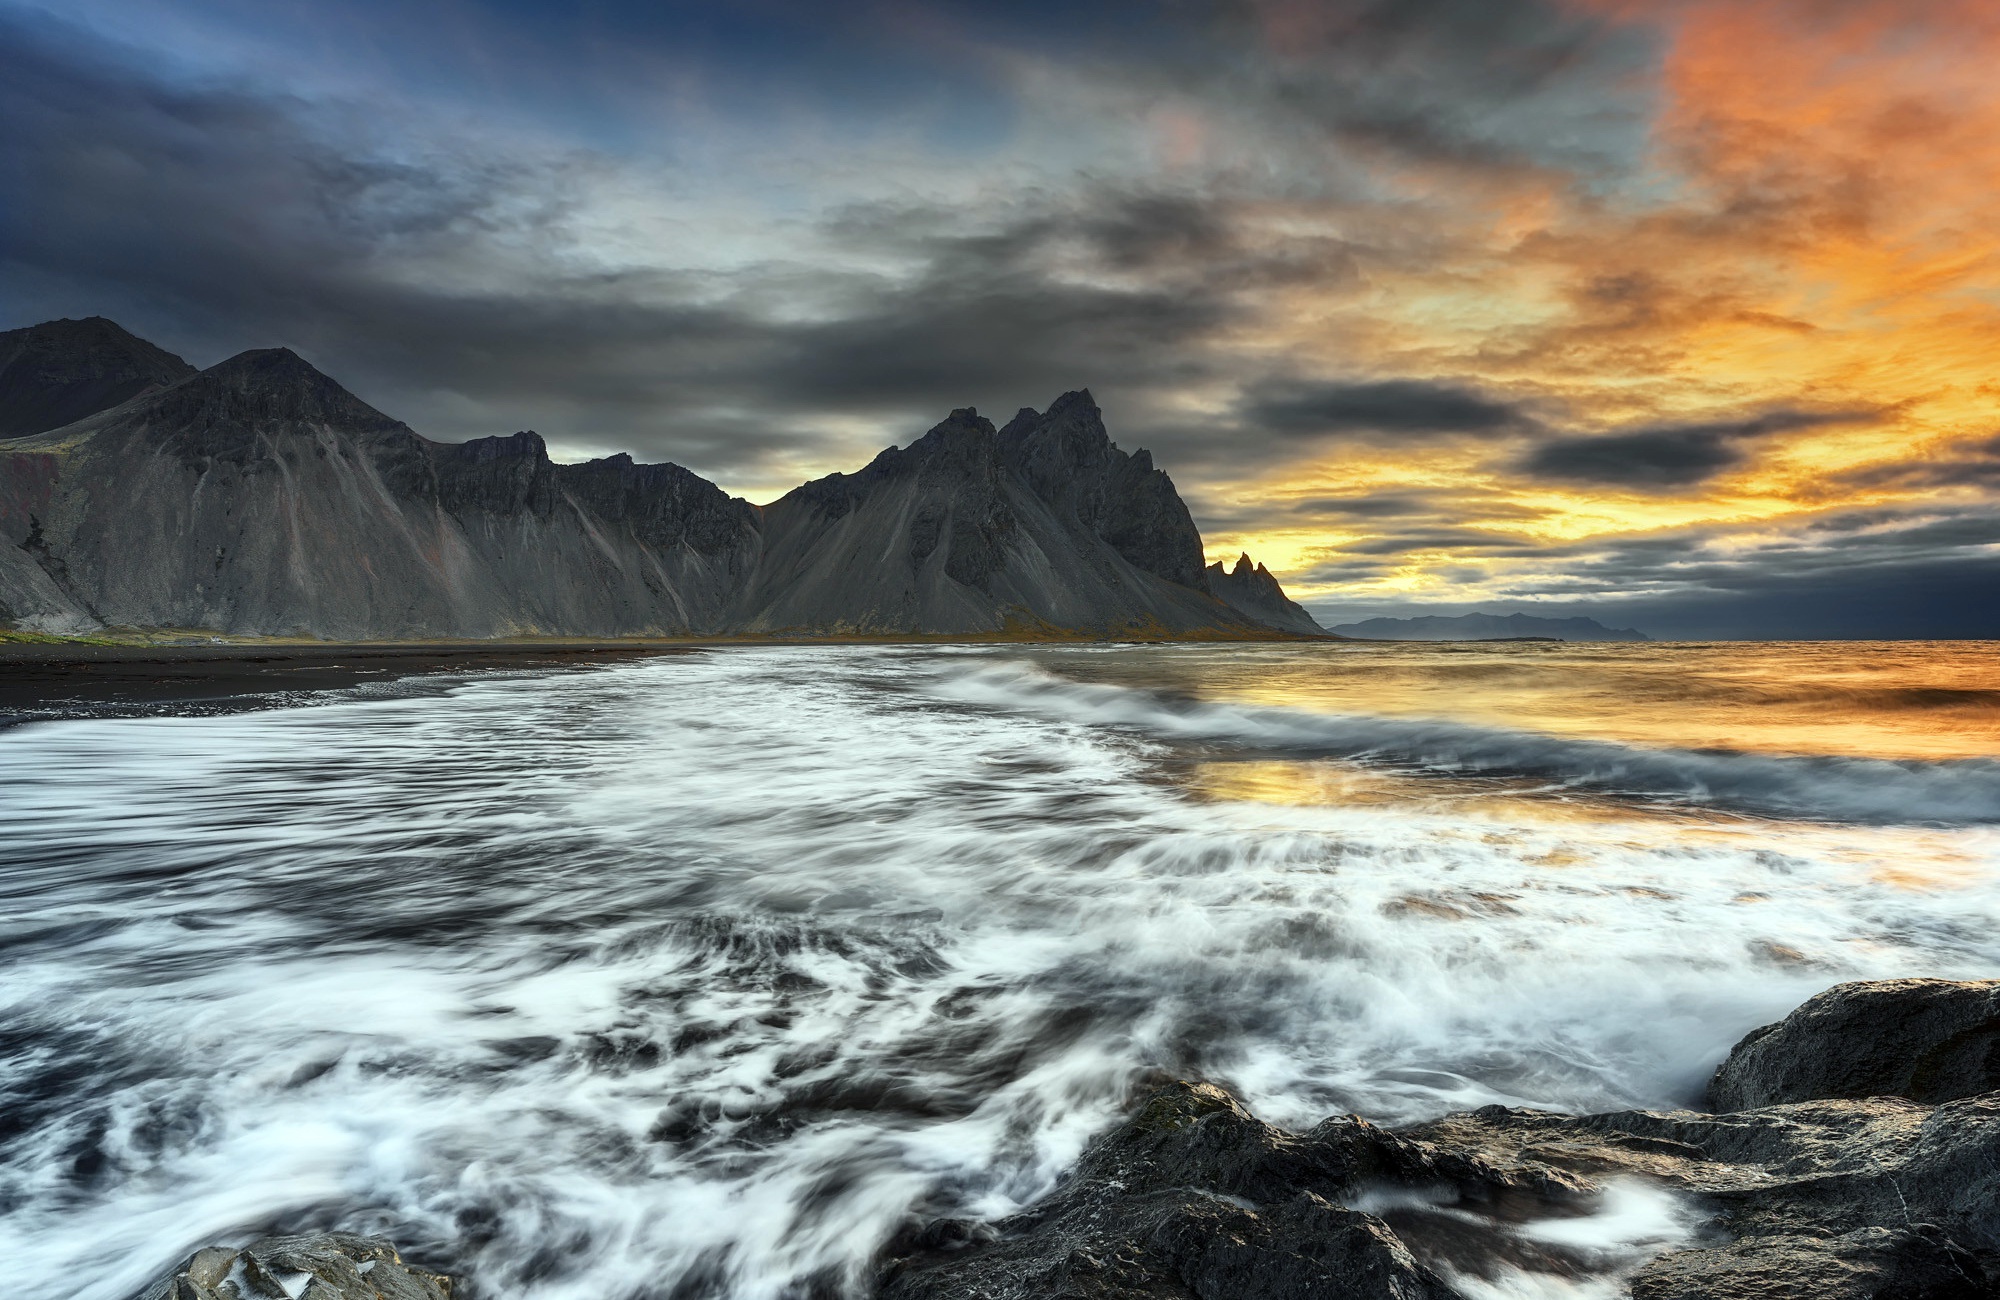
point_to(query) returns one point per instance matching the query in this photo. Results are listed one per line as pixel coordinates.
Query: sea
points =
(702, 975)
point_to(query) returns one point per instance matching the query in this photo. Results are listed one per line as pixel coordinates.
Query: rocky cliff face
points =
(63, 370)
(1254, 593)
(259, 496)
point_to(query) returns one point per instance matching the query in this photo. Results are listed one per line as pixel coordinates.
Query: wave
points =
(1820, 787)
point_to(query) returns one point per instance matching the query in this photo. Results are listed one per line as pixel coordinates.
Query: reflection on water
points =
(695, 976)
(1890, 699)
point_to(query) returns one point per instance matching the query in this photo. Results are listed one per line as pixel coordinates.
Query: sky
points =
(1684, 314)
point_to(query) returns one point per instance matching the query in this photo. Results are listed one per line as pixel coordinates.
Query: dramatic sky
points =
(1677, 312)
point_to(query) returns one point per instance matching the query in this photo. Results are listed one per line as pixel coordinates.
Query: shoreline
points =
(46, 679)
(42, 681)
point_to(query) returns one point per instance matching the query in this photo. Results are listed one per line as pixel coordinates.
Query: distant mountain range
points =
(1483, 627)
(260, 497)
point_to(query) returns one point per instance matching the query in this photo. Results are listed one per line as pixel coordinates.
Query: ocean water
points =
(699, 975)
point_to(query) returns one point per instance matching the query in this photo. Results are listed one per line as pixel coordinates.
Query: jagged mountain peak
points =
(1074, 419)
(1252, 589)
(1024, 419)
(1077, 401)
(961, 425)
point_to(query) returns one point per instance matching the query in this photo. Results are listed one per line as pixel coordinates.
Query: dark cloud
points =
(214, 217)
(1383, 505)
(1952, 598)
(1480, 85)
(1397, 406)
(1669, 456)
(1963, 464)
(1484, 541)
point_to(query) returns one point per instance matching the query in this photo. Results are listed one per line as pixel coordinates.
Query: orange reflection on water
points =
(1892, 700)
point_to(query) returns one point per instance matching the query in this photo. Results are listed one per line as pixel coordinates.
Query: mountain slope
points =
(1476, 627)
(60, 371)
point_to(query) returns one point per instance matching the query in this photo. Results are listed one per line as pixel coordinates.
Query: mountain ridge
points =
(259, 496)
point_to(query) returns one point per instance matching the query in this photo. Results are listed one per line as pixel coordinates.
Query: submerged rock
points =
(310, 1266)
(1928, 1040)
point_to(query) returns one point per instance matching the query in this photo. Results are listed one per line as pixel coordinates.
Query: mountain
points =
(1042, 525)
(63, 370)
(1482, 627)
(1255, 593)
(259, 496)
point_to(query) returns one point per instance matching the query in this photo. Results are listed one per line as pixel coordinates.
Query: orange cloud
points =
(1814, 223)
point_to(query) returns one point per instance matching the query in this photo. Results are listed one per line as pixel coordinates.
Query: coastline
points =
(47, 677)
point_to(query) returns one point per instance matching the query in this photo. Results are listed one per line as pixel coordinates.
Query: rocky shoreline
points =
(1852, 1152)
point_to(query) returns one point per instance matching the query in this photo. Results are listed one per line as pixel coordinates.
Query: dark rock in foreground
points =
(1194, 1197)
(1873, 1197)
(1885, 1262)
(1928, 1040)
(311, 1266)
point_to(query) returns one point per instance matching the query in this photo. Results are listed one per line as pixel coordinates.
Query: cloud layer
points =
(1669, 305)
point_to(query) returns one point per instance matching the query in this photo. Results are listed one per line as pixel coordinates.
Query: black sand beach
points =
(41, 679)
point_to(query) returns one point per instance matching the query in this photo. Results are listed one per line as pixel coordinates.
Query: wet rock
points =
(1915, 1263)
(309, 1266)
(1886, 1195)
(1194, 1197)
(1928, 1040)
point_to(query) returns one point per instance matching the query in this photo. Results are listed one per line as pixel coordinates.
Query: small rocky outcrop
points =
(311, 1266)
(1194, 1197)
(1253, 591)
(1890, 1263)
(1832, 1200)
(1804, 1196)
(1928, 1040)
